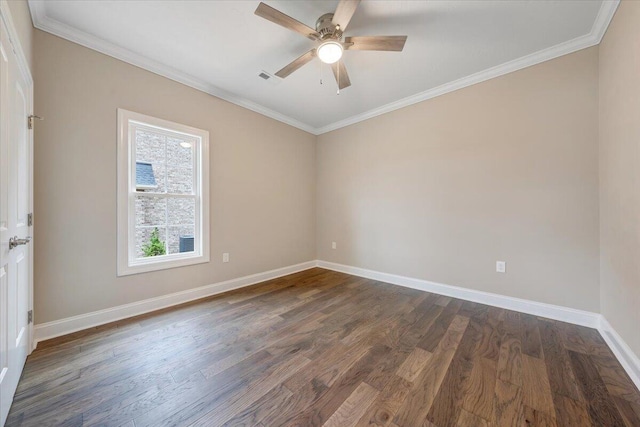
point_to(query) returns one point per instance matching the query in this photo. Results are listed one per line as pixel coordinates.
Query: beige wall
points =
(620, 173)
(262, 182)
(24, 27)
(509, 169)
(503, 170)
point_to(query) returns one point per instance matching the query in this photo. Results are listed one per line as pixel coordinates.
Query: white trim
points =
(600, 25)
(45, 331)
(627, 358)
(629, 361)
(550, 311)
(44, 23)
(15, 40)
(23, 66)
(603, 19)
(128, 263)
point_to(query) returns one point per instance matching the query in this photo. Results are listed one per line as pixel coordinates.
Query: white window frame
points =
(128, 263)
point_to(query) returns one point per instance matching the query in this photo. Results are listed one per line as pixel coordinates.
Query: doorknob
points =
(14, 241)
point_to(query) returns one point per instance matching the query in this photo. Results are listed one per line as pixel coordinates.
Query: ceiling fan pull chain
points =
(338, 78)
(320, 65)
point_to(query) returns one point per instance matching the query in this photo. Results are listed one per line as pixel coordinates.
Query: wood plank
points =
(630, 411)
(446, 406)
(600, 405)
(220, 414)
(536, 391)
(264, 407)
(508, 408)
(414, 364)
(434, 335)
(583, 340)
(420, 323)
(492, 332)
(419, 401)
(183, 407)
(531, 342)
(443, 301)
(324, 405)
(509, 368)
(348, 414)
(467, 419)
(616, 378)
(479, 389)
(321, 347)
(127, 407)
(383, 409)
(559, 368)
(535, 418)
(328, 367)
(570, 412)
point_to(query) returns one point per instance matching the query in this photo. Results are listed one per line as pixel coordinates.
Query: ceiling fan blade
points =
(341, 75)
(277, 17)
(296, 63)
(386, 43)
(344, 13)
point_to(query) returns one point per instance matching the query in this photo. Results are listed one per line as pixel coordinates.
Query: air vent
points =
(269, 78)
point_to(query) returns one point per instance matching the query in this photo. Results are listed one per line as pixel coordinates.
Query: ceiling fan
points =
(328, 35)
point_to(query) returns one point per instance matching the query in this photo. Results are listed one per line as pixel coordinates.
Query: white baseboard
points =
(556, 312)
(622, 351)
(627, 358)
(45, 331)
(625, 355)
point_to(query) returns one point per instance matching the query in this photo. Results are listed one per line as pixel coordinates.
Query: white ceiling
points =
(221, 47)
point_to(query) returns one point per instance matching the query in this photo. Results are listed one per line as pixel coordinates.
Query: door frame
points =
(23, 66)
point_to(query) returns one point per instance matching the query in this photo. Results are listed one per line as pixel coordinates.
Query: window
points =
(163, 194)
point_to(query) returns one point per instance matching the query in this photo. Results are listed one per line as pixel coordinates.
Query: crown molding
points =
(44, 23)
(600, 25)
(605, 15)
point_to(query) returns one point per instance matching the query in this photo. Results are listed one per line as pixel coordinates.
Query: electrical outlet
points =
(333, 245)
(225, 257)
(501, 266)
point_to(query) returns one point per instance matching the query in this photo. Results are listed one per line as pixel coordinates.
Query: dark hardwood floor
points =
(324, 348)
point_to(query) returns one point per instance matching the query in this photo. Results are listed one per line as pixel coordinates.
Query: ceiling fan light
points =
(330, 52)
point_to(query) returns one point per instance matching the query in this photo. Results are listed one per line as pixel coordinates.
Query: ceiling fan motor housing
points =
(326, 28)
(328, 37)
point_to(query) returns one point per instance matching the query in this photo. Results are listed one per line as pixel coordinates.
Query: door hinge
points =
(30, 316)
(29, 220)
(30, 120)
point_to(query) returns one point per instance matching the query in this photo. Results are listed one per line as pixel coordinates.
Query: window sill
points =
(149, 266)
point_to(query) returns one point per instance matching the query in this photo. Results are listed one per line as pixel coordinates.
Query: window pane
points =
(150, 161)
(181, 239)
(148, 244)
(180, 152)
(150, 177)
(180, 165)
(150, 146)
(179, 180)
(159, 171)
(161, 215)
(181, 211)
(151, 211)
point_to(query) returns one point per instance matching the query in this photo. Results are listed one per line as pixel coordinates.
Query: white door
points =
(15, 203)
